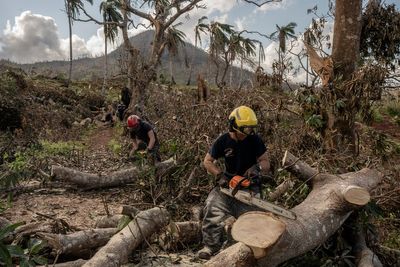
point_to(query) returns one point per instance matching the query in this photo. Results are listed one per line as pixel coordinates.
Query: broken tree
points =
(91, 181)
(329, 204)
(121, 245)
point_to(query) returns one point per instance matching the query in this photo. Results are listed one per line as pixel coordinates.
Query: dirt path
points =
(78, 208)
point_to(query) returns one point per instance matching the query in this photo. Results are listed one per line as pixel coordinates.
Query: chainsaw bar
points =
(247, 198)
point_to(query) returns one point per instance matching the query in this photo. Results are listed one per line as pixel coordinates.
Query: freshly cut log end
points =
(356, 195)
(238, 255)
(258, 230)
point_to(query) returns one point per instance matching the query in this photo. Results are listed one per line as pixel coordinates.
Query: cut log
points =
(179, 234)
(108, 221)
(321, 213)
(129, 211)
(88, 181)
(280, 190)
(76, 243)
(121, 245)
(365, 257)
(77, 263)
(258, 230)
(238, 255)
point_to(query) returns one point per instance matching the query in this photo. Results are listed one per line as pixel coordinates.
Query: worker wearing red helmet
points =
(143, 137)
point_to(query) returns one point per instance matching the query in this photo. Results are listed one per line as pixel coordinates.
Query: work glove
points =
(253, 171)
(222, 180)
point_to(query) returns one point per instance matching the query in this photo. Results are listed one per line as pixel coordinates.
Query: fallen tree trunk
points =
(121, 245)
(88, 181)
(78, 243)
(77, 263)
(108, 221)
(331, 201)
(179, 234)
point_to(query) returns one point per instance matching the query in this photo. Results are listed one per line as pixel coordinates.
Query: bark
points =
(77, 263)
(346, 36)
(29, 229)
(108, 221)
(88, 181)
(328, 205)
(280, 190)
(180, 234)
(364, 256)
(121, 245)
(189, 182)
(78, 243)
(238, 255)
(129, 211)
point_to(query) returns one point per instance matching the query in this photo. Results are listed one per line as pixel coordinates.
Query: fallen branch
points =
(180, 234)
(108, 221)
(121, 245)
(88, 181)
(76, 243)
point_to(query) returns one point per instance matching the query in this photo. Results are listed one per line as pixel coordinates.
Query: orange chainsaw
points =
(237, 182)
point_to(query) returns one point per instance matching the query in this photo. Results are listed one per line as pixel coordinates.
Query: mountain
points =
(92, 68)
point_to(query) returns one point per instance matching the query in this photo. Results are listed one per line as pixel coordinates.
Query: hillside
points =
(44, 124)
(93, 68)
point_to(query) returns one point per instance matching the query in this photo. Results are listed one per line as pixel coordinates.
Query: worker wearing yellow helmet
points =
(245, 156)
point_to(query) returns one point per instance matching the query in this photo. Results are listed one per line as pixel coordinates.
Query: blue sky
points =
(37, 30)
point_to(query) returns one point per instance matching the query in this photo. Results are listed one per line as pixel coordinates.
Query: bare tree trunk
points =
(77, 263)
(346, 37)
(345, 55)
(90, 181)
(121, 245)
(68, 8)
(103, 88)
(77, 243)
(180, 234)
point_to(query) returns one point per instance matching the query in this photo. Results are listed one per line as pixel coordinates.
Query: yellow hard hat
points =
(243, 119)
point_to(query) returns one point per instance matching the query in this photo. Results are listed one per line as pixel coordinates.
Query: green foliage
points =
(6, 250)
(171, 147)
(115, 146)
(384, 147)
(315, 121)
(377, 116)
(380, 35)
(393, 109)
(22, 164)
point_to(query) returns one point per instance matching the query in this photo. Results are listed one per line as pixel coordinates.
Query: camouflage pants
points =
(218, 208)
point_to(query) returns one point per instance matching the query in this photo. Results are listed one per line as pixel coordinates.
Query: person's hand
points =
(253, 171)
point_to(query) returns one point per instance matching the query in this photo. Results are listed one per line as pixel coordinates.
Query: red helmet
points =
(133, 121)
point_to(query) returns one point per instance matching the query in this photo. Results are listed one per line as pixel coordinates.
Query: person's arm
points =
(210, 166)
(152, 139)
(134, 144)
(263, 162)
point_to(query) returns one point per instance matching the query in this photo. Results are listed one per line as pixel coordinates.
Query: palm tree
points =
(283, 32)
(72, 8)
(201, 27)
(174, 39)
(219, 40)
(111, 16)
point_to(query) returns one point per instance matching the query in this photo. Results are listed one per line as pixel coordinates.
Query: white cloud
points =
(274, 6)
(33, 38)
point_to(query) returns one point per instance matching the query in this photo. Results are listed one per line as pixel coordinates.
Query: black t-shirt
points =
(142, 132)
(239, 155)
